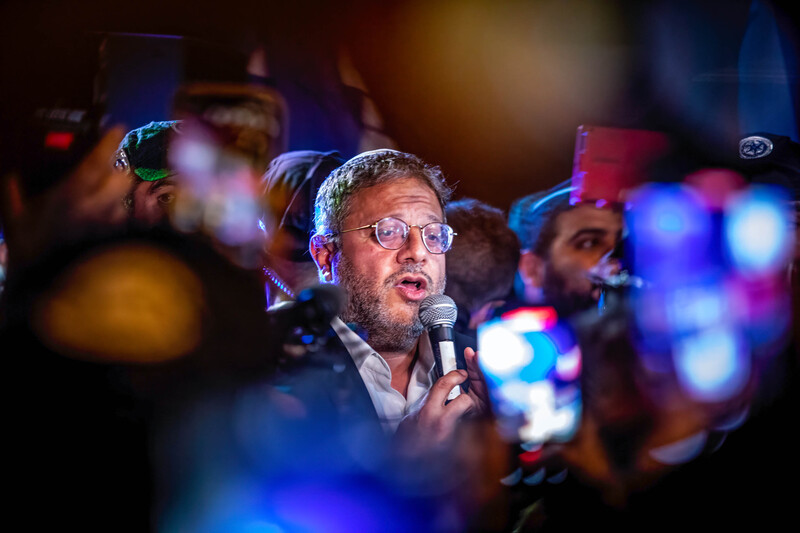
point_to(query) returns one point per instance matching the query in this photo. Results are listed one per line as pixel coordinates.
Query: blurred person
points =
(650, 450)
(768, 159)
(121, 335)
(482, 263)
(290, 186)
(142, 154)
(564, 248)
(83, 400)
(772, 159)
(82, 203)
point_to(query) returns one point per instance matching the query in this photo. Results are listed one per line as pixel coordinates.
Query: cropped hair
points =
(482, 263)
(334, 198)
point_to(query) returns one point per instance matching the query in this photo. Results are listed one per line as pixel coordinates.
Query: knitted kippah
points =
(146, 148)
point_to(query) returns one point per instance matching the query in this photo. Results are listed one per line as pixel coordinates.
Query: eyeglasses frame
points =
(374, 225)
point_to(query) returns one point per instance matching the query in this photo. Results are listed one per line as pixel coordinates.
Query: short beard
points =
(367, 307)
(566, 302)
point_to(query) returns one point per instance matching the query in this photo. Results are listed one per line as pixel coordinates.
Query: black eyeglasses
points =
(392, 234)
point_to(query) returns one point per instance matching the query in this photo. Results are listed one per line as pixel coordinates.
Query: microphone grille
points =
(438, 310)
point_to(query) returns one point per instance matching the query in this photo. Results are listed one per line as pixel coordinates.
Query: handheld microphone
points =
(438, 313)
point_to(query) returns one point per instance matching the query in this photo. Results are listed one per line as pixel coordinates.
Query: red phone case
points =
(611, 161)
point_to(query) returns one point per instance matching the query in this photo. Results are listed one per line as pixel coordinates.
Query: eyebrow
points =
(161, 183)
(589, 232)
(431, 218)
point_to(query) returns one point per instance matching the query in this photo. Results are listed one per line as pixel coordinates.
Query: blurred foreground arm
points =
(85, 203)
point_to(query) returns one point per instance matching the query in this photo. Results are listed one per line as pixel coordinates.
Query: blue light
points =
(544, 359)
(712, 365)
(667, 215)
(503, 352)
(697, 307)
(557, 478)
(535, 478)
(330, 508)
(670, 222)
(666, 221)
(757, 230)
(734, 420)
(513, 478)
(681, 451)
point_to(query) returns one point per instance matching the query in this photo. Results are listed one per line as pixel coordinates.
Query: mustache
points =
(408, 269)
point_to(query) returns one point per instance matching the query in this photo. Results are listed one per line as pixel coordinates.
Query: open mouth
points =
(417, 284)
(413, 287)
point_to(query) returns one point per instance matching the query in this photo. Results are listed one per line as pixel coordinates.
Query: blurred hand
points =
(92, 193)
(86, 202)
(477, 384)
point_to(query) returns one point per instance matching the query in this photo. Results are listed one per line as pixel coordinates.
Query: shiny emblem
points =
(121, 162)
(754, 147)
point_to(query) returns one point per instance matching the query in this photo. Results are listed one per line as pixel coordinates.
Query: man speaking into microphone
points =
(364, 413)
(381, 235)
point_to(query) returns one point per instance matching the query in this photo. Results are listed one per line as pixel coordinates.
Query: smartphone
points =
(59, 119)
(247, 121)
(532, 364)
(609, 162)
(228, 134)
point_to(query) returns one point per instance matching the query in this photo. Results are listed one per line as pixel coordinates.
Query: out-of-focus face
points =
(151, 200)
(385, 287)
(583, 239)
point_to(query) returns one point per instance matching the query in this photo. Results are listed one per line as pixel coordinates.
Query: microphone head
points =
(438, 310)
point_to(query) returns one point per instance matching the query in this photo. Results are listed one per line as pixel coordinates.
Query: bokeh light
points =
(712, 364)
(758, 232)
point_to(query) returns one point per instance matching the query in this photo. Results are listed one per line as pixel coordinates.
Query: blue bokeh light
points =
(666, 221)
(503, 352)
(757, 231)
(681, 451)
(712, 364)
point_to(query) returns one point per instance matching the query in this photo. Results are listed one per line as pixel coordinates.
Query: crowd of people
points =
(206, 338)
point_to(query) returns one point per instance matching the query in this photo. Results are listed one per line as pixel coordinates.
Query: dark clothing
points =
(462, 326)
(309, 437)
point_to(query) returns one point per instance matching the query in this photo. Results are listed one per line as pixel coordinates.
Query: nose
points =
(413, 250)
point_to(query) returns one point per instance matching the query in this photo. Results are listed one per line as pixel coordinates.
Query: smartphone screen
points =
(532, 366)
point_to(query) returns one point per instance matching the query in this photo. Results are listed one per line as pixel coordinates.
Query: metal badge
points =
(121, 162)
(754, 147)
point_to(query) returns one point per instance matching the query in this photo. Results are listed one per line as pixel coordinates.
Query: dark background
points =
(491, 91)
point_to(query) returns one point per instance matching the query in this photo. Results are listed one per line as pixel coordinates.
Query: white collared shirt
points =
(390, 405)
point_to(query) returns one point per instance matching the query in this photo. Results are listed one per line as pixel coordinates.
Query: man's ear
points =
(531, 271)
(322, 251)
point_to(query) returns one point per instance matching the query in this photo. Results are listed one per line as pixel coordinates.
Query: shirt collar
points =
(360, 350)
(358, 347)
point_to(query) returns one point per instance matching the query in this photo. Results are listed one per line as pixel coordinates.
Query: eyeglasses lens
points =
(392, 234)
